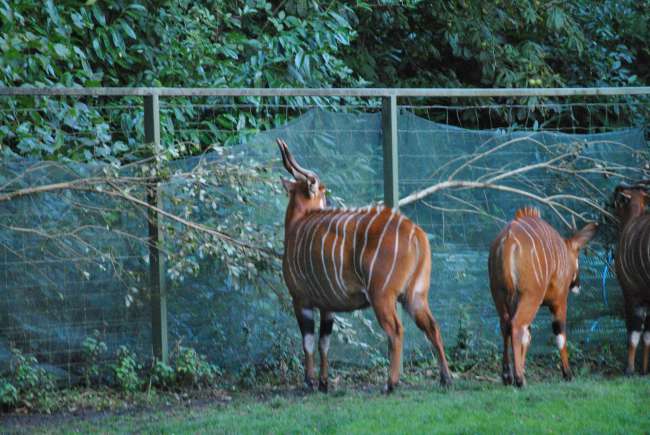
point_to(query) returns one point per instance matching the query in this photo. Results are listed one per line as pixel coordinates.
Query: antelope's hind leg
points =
(527, 308)
(427, 323)
(635, 315)
(386, 311)
(646, 347)
(506, 333)
(305, 317)
(559, 329)
(326, 325)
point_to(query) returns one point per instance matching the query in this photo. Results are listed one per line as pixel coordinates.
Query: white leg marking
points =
(308, 343)
(307, 313)
(560, 341)
(378, 248)
(635, 336)
(392, 266)
(525, 337)
(646, 338)
(324, 344)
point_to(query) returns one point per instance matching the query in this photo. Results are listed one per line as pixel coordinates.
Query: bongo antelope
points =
(339, 260)
(633, 266)
(531, 265)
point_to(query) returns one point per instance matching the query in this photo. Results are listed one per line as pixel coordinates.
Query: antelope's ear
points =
(580, 239)
(288, 185)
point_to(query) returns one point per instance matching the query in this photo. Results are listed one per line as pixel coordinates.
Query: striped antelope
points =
(347, 259)
(633, 266)
(531, 265)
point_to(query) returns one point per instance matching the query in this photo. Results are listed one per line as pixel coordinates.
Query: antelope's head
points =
(574, 245)
(306, 192)
(630, 200)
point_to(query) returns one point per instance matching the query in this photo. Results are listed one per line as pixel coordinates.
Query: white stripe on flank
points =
(536, 239)
(533, 253)
(392, 266)
(354, 245)
(642, 241)
(318, 290)
(339, 294)
(514, 273)
(341, 253)
(322, 256)
(378, 248)
(292, 261)
(300, 256)
(365, 243)
(304, 256)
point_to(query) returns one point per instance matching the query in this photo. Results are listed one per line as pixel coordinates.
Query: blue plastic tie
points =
(605, 269)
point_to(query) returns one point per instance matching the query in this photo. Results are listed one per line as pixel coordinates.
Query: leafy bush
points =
(93, 348)
(192, 369)
(162, 375)
(126, 370)
(26, 383)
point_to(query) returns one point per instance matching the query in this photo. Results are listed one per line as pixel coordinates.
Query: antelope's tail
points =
(510, 272)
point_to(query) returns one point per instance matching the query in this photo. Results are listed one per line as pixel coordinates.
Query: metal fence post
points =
(391, 178)
(156, 257)
(389, 130)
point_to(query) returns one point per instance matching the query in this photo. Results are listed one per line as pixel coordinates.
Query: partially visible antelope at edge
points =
(338, 260)
(633, 266)
(531, 265)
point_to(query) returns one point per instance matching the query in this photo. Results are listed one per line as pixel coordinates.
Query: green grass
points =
(583, 406)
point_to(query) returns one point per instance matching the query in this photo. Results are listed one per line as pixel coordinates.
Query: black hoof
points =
(520, 382)
(629, 372)
(445, 380)
(322, 386)
(310, 385)
(506, 377)
(567, 375)
(389, 388)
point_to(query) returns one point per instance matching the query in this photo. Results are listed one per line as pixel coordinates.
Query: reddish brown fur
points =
(633, 268)
(342, 260)
(531, 265)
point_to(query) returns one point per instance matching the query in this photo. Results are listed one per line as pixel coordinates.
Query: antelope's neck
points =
(293, 217)
(635, 211)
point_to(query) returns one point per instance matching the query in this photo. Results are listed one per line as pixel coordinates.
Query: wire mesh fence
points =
(75, 261)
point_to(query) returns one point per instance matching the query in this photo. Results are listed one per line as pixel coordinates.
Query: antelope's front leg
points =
(326, 325)
(305, 317)
(559, 329)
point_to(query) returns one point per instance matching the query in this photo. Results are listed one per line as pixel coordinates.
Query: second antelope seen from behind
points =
(531, 265)
(633, 266)
(346, 259)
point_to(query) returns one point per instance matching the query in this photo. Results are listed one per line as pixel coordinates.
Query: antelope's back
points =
(528, 252)
(633, 257)
(334, 256)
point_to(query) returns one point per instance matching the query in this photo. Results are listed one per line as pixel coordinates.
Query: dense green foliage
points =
(456, 43)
